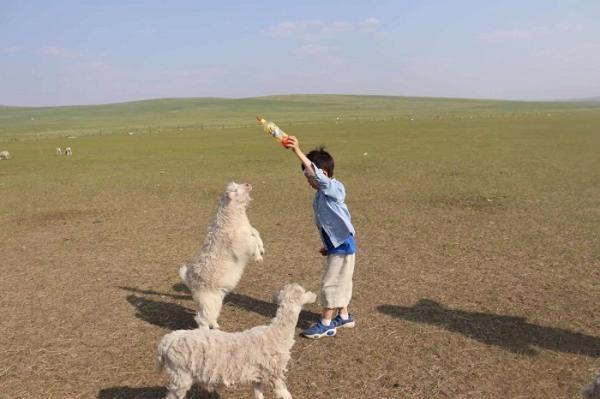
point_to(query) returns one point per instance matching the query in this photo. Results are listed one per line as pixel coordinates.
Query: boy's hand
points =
(292, 142)
(323, 251)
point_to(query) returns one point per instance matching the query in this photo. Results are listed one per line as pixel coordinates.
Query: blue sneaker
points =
(341, 323)
(318, 330)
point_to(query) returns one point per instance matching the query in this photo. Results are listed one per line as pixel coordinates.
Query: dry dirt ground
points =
(88, 291)
(475, 278)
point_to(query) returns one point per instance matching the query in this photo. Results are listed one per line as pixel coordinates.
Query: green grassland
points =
(203, 113)
(490, 209)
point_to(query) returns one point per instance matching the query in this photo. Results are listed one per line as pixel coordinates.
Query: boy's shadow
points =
(511, 333)
(176, 317)
(151, 393)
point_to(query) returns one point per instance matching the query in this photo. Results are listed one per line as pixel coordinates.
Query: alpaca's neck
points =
(284, 323)
(229, 210)
(226, 212)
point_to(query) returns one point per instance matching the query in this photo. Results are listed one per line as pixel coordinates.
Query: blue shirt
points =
(331, 213)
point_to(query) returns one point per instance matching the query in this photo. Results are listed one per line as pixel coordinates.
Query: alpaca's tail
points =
(183, 274)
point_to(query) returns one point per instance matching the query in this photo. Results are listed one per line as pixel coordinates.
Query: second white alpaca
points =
(215, 358)
(231, 242)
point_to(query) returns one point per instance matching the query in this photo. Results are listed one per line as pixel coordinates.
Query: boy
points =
(337, 233)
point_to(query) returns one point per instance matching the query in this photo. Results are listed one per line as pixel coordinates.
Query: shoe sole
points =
(328, 333)
(347, 325)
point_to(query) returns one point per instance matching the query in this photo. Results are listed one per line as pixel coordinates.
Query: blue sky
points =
(89, 52)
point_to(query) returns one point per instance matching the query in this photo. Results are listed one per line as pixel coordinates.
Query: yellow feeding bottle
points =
(273, 130)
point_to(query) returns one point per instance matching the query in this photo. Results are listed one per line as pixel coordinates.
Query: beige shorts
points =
(336, 284)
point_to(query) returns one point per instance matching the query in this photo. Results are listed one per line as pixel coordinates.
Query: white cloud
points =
(8, 50)
(370, 24)
(569, 28)
(297, 28)
(338, 27)
(99, 65)
(312, 29)
(527, 33)
(309, 50)
(54, 51)
(514, 34)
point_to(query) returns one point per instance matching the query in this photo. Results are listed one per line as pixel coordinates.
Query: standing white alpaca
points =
(217, 268)
(58, 151)
(592, 391)
(68, 151)
(215, 358)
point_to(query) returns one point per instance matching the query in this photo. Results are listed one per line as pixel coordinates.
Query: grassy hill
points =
(200, 113)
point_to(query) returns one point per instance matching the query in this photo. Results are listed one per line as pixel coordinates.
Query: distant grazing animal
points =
(230, 243)
(68, 151)
(215, 358)
(58, 151)
(4, 155)
(592, 391)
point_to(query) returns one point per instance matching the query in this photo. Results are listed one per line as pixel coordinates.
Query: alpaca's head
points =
(294, 293)
(238, 193)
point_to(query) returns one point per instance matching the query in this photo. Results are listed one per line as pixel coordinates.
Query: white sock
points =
(344, 316)
(326, 322)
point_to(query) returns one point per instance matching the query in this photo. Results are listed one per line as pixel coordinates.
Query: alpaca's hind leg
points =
(258, 390)
(216, 310)
(281, 391)
(202, 323)
(178, 386)
(209, 307)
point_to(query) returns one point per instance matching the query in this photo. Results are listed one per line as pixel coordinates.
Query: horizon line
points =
(582, 99)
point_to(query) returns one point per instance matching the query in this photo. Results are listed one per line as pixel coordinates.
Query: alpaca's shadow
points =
(264, 308)
(163, 294)
(176, 317)
(151, 393)
(163, 314)
(267, 309)
(511, 333)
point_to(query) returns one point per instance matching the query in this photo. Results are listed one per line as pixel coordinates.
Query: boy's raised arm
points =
(294, 144)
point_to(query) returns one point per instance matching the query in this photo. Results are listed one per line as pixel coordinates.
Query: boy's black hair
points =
(322, 159)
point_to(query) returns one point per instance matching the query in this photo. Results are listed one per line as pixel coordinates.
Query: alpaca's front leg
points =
(258, 390)
(281, 391)
(259, 250)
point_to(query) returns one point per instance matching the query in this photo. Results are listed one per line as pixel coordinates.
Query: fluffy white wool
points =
(215, 358)
(217, 268)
